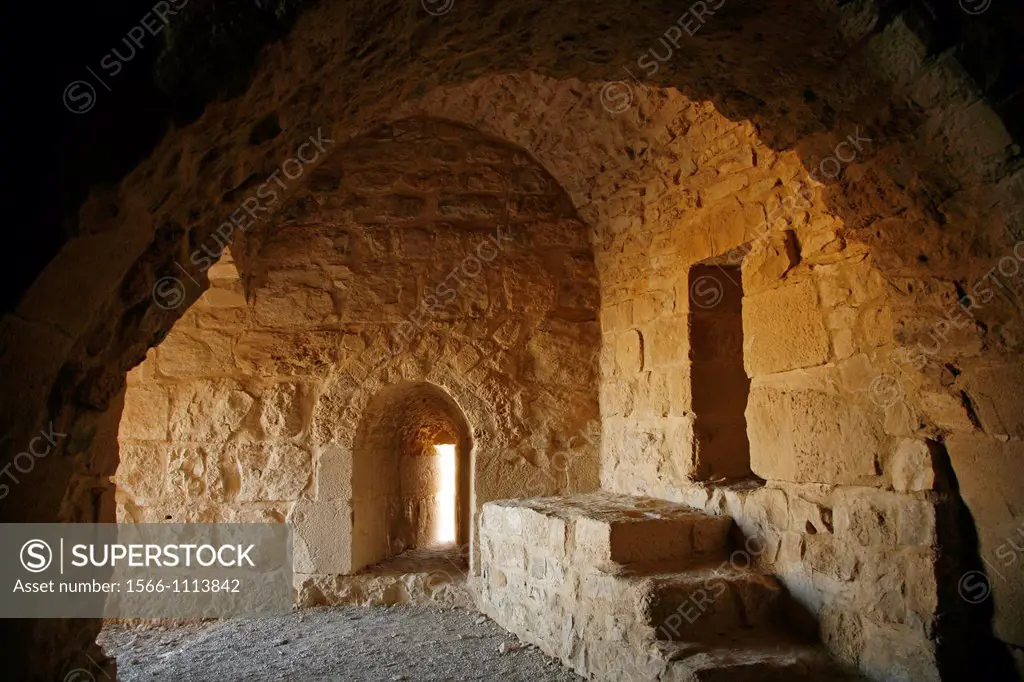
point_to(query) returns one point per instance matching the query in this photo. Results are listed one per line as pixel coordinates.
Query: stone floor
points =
(425, 577)
(339, 644)
(449, 560)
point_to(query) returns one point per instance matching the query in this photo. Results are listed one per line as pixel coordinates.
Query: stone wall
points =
(203, 438)
(936, 210)
(848, 435)
(422, 255)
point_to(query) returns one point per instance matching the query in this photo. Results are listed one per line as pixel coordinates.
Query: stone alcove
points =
(406, 491)
(256, 406)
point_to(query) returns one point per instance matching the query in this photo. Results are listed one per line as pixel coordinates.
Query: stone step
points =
(762, 657)
(701, 604)
(613, 532)
(623, 530)
(629, 589)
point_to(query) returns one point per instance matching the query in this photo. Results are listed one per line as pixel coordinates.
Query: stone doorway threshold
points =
(435, 576)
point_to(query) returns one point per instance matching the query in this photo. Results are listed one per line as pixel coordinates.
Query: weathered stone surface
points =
(984, 470)
(317, 526)
(146, 413)
(282, 410)
(769, 260)
(195, 474)
(787, 330)
(913, 467)
(142, 473)
(208, 410)
(274, 309)
(996, 395)
(629, 352)
(276, 354)
(810, 436)
(195, 354)
(268, 472)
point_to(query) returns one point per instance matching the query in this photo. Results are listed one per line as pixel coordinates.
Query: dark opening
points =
(720, 385)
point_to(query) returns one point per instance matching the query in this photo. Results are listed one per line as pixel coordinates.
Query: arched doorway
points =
(411, 474)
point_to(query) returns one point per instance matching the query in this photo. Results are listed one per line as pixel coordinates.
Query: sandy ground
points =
(337, 644)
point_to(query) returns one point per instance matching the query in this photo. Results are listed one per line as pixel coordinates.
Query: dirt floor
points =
(338, 644)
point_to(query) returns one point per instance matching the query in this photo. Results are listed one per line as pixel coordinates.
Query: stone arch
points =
(67, 362)
(391, 458)
(329, 315)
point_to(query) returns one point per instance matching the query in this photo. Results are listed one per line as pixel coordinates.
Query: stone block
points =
(617, 398)
(912, 467)
(667, 341)
(617, 317)
(267, 472)
(398, 207)
(381, 293)
(786, 329)
(539, 207)
(843, 634)
(680, 395)
(146, 413)
(729, 184)
(208, 411)
(281, 410)
(322, 537)
(997, 398)
(332, 474)
(810, 436)
(768, 507)
(791, 551)
(195, 475)
(489, 207)
(897, 652)
(701, 605)
(189, 353)
(608, 534)
(867, 517)
(306, 353)
(921, 589)
(810, 516)
(915, 522)
(296, 306)
(834, 559)
(769, 261)
(651, 305)
(141, 473)
(557, 359)
(944, 409)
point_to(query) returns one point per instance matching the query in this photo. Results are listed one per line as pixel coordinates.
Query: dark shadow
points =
(963, 629)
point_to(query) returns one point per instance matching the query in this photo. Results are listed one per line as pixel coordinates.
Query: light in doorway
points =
(444, 499)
